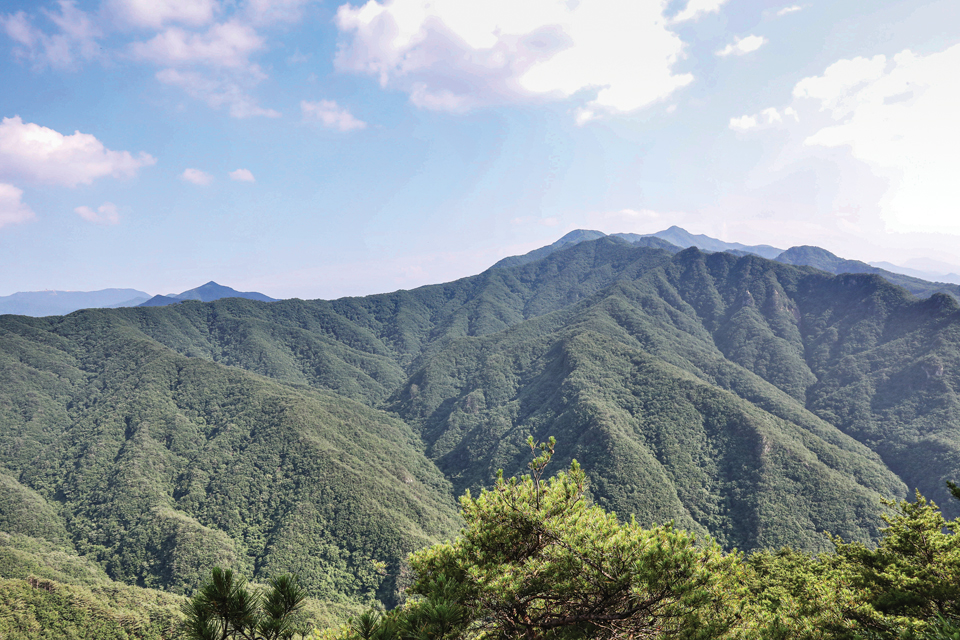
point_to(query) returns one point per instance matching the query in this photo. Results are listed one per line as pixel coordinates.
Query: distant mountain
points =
(58, 303)
(673, 240)
(684, 239)
(931, 276)
(822, 259)
(205, 293)
(574, 237)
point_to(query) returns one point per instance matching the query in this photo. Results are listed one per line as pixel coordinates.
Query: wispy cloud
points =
(195, 176)
(12, 208)
(204, 47)
(217, 92)
(742, 46)
(791, 9)
(769, 116)
(157, 13)
(43, 155)
(697, 8)
(105, 214)
(74, 39)
(242, 175)
(330, 115)
(896, 117)
(228, 44)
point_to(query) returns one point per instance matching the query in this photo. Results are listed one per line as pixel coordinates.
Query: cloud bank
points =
(40, 154)
(897, 116)
(453, 56)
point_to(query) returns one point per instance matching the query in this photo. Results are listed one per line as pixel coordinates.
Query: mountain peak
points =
(206, 293)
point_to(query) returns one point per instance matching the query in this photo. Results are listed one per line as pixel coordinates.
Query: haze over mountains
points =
(756, 400)
(919, 282)
(51, 303)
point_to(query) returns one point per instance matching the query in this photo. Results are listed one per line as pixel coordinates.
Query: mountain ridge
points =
(754, 400)
(204, 293)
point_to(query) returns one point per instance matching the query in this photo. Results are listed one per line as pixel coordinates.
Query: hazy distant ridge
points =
(58, 303)
(205, 293)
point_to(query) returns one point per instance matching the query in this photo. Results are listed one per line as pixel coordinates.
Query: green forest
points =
(777, 415)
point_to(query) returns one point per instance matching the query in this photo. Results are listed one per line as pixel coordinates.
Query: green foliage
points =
(41, 609)
(225, 609)
(535, 560)
(756, 402)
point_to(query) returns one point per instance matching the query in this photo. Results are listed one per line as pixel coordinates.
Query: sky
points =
(319, 149)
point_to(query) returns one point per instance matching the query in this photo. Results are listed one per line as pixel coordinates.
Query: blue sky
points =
(321, 149)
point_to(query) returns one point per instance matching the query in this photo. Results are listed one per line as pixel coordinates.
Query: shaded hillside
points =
(161, 466)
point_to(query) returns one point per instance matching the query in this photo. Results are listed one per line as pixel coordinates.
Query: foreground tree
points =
(537, 561)
(225, 609)
(910, 584)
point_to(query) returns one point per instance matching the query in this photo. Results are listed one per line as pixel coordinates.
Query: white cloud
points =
(697, 8)
(269, 11)
(217, 92)
(75, 40)
(227, 44)
(242, 175)
(900, 118)
(790, 9)
(452, 55)
(195, 176)
(12, 209)
(105, 214)
(331, 115)
(224, 49)
(767, 117)
(156, 13)
(19, 29)
(44, 155)
(886, 129)
(743, 46)
(744, 123)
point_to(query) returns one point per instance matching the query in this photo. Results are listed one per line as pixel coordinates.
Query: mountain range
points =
(55, 303)
(757, 401)
(919, 282)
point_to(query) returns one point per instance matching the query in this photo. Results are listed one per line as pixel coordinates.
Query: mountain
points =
(675, 238)
(930, 276)
(55, 303)
(760, 402)
(574, 237)
(204, 293)
(672, 239)
(826, 261)
(684, 239)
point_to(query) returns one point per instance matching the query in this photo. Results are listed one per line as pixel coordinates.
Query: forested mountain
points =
(762, 402)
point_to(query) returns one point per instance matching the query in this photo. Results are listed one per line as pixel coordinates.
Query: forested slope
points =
(761, 402)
